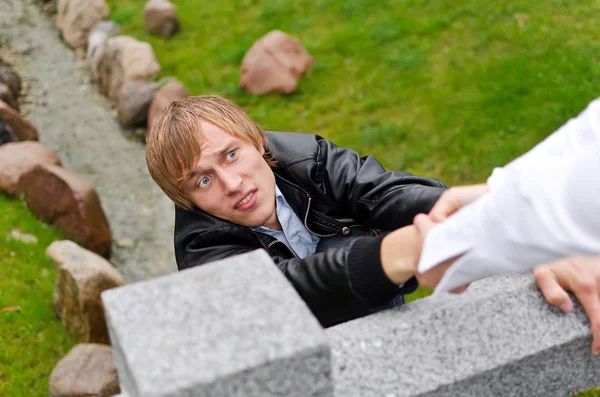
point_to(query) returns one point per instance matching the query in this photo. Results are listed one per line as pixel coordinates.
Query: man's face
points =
(232, 181)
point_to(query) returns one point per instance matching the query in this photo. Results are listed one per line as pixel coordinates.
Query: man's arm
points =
(366, 274)
(377, 198)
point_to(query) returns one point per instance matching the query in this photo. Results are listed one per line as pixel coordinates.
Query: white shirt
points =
(543, 206)
(294, 234)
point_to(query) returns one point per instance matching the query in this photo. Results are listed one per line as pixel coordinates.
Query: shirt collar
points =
(278, 194)
(278, 197)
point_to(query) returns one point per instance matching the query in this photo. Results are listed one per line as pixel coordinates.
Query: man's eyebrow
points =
(199, 170)
(190, 175)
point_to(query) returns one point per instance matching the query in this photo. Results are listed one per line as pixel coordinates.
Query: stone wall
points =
(237, 328)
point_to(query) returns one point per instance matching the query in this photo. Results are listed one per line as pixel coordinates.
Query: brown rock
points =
(161, 18)
(9, 77)
(77, 298)
(75, 19)
(66, 200)
(88, 370)
(275, 63)
(19, 158)
(18, 124)
(134, 101)
(63, 251)
(125, 59)
(172, 91)
(7, 96)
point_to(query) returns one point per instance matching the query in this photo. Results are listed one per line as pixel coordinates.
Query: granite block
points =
(500, 338)
(235, 327)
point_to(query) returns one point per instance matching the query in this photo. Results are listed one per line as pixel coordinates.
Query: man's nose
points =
(231, 182)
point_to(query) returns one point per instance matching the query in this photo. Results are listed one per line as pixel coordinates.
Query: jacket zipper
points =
(272, 243)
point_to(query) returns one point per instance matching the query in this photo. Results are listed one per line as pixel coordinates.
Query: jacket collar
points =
(296, 197)
(300, 201)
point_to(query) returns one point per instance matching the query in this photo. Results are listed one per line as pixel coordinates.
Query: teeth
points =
(245, 200)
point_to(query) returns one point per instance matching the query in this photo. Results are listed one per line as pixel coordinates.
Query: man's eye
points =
(231, 155)
(204, 181)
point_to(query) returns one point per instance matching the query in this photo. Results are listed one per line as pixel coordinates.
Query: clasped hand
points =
(579, 275)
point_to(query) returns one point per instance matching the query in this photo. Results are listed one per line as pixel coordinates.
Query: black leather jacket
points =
(333, 190)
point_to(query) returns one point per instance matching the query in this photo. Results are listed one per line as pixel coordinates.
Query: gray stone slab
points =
(230, 328)
(80, 126)
(500, 338)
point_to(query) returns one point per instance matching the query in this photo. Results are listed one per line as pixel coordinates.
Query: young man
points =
(316, 208)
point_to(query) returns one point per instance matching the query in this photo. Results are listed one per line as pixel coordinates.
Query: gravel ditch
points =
(81, 127)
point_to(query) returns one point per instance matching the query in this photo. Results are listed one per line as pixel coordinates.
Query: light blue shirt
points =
(295, 235)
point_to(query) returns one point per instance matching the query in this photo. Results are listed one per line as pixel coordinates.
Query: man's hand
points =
(579, 275)
(449, 202)
(431, 278)
(454, 199)
(400, 252)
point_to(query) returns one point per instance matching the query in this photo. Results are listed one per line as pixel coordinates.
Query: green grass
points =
(32, 340)
(448, 89)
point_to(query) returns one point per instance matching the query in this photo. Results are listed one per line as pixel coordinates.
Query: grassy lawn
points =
(32, 340)
(448, 89)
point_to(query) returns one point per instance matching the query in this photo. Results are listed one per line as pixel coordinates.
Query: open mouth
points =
(245, 200)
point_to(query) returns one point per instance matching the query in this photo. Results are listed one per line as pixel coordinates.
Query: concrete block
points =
(500, 338)
(235, 327)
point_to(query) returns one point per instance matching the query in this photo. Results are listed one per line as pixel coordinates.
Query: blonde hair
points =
(174, 140)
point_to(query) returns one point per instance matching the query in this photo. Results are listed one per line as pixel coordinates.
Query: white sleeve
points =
(577, 133)
(541, 212)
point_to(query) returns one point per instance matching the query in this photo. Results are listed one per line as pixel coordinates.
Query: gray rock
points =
(160, 17)
(109, 28)
(125, 59)
(75, 19)
(95, 43)
(235, 327)
(134, 101)
(67, 251)
(500, 338)
(77, 300)
(87, 370)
